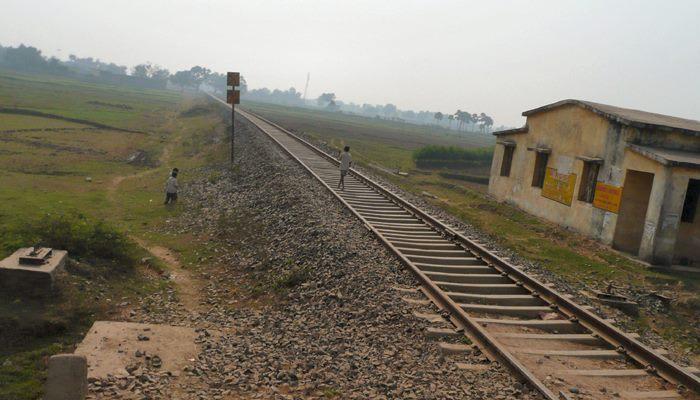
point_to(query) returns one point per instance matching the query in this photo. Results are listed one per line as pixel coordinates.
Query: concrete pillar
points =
(671, 211)
(662, 181)
(67, 378)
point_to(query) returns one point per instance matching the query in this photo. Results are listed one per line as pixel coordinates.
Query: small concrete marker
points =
(67, 377)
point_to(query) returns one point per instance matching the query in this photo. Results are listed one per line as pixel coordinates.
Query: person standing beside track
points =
(345, 163)
(171, 187)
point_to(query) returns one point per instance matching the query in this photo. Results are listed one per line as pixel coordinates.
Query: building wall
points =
(687, 244)
(569, 131)
(572, 131)
(688, 241)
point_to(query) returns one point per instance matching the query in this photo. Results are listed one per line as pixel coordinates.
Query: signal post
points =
(233, 97)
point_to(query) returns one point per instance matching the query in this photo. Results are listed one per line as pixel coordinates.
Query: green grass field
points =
(577, 259)
(122, 107)
(389, 144)
(60, 169)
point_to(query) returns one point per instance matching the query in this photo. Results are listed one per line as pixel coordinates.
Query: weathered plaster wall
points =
(572, 131)
(569, 131)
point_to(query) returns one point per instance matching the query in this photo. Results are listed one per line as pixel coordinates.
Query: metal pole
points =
(233, 119)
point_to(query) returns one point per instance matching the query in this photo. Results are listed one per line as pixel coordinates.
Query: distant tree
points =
(438, 117)
(325, 99)
(93, 66)
(290, 96)
(369, 110)
(141, 70)
(464, 118)
(408, 114)
(390, 110)
(199, 74)
(332, 106)
(160, 74)
(193, 77)
(485, 122)
(450, 118)
(181, 79)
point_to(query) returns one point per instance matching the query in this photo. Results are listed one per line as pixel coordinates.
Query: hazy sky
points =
(499, 57)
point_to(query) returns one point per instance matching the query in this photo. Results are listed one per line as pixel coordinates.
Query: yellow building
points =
(628, 178)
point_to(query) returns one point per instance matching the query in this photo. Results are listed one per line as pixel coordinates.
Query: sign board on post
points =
(559, 187)
(233, 97)
(607, 197)
(233, 79)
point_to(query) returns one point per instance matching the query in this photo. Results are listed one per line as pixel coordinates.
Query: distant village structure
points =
(628, 178)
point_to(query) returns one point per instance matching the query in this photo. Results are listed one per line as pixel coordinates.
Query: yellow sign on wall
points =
(559, 187)
(607, 197)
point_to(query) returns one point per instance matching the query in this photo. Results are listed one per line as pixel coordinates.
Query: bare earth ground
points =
(293, 300)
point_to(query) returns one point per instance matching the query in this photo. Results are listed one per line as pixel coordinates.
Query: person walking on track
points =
(345, 164)
(171, 187)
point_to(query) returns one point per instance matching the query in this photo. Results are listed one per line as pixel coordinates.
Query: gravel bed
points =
(333, 327)
(651, 304)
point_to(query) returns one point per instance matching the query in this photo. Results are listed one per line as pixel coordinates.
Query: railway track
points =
(559, 347)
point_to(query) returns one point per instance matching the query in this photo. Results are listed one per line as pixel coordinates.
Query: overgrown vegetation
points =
(484, 180)
(76, 191)
(32, 328)
(81, 236)
(433, 156)
(297, 275)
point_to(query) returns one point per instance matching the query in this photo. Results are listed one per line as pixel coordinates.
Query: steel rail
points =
(638, 352)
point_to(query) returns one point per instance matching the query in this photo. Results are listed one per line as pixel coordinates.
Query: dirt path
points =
(189, 288)
(164, 158)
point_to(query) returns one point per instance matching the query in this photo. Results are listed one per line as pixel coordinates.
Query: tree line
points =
(465, 119)
(148, 75)
(30, 59)
(329, 102)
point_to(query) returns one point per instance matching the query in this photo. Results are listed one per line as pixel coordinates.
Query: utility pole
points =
(306, 87)
(233, 97)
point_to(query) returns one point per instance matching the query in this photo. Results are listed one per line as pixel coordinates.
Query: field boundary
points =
(35, 113)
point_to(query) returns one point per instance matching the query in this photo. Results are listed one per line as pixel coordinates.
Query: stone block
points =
(67, 377)
(31, 271)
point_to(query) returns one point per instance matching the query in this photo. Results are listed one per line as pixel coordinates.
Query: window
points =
(507, 161)
(540, 169)
(690, 205)
(589, 178)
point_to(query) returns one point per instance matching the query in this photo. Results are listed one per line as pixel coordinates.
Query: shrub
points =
(294, 277)
(452, 156)
(484, 180)
(80, 236)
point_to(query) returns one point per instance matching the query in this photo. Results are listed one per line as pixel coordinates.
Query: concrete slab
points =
(31, 270)
(111, 346)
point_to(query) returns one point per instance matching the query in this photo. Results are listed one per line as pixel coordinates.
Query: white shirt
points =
(345, 160)
(171, 185)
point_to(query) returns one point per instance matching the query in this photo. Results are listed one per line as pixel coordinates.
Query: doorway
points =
(633, 211)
